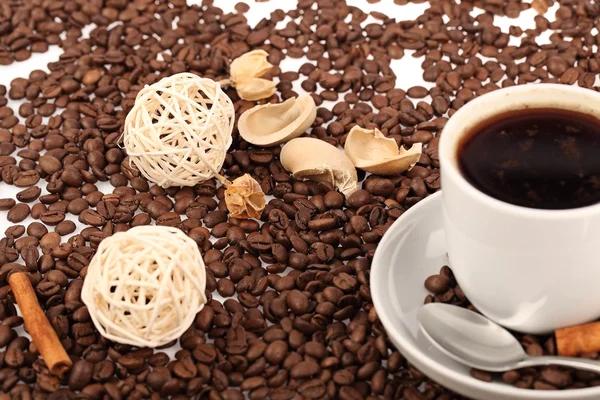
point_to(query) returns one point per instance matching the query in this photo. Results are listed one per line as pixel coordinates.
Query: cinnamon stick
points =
(578, 339)
(38, 326)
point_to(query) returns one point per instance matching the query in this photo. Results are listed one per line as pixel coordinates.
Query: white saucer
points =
(412, 249)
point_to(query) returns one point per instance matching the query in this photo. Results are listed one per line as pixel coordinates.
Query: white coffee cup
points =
(530, 270)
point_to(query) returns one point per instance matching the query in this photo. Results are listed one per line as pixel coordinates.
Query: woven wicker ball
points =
(179, 130)
(145, 286)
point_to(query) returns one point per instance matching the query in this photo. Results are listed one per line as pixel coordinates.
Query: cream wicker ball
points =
(179, 130)
(145, 286)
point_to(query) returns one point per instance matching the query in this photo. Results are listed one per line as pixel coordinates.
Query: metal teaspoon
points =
(477, 342)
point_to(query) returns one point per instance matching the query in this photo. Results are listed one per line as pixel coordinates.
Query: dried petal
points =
(256, 89)
(244, 198)
(248, 66)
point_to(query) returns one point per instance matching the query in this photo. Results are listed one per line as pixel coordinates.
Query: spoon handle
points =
(572, 362)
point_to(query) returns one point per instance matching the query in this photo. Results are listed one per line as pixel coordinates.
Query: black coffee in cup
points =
(536, 158)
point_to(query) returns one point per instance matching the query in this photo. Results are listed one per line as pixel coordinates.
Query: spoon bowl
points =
(473, 340)
(465, 335)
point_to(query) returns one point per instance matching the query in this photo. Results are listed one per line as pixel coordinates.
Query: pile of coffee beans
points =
(297, 320)
(444, 289)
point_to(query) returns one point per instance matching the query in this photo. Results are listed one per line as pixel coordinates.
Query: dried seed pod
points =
(246, 72)
(314, 159)
(253, 64)
(371, 151)
(244, 198)
(256, 89)
(273, 124)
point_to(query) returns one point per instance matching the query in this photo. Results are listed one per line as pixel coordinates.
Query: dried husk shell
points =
(316, 160)
(255, 89)
(250, 65)
(244, 198)
(273, 124)
(246, 71)
(371, 151)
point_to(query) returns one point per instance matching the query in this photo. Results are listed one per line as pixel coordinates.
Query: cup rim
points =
(455, 123)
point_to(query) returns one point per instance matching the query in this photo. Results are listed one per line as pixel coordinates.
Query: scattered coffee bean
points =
(28, 195)
(7, 204)
(18, 213)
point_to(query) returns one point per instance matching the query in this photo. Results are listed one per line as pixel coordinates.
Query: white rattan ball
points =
(179, 130)
(145, 286)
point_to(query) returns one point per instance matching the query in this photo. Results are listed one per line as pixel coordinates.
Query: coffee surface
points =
(536, 158)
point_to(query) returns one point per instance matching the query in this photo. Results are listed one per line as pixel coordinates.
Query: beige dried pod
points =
(244, 198)
(255, 89)
(371, 151)
(273, 124)
(250, 65)
(316, 160)
(246, 72)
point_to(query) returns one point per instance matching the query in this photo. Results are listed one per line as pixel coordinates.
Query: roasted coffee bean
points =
(314, 388)
(157, 378)
(305, 369)
(37, 230)
(65, 228)
(158, 359)
(30, 256)
(93, 218)
(71, 177)
(226, 287)
(417, 92)
(279, 219)
(28, 195)
(14, 357)
(437, 284)
(297, 302)
(481, 375)
(37, 210)
(131, 362)
(18, 213)
(6, 335)
(334, 200)
(276, 351)
(214, 218)
(359, 198)
(103, 369)
(15, 231)
(556, 377)
(7, 204)
(49, 242)
(185, 369)
(52, 217)
(379, 186)
(49, 164)
(57, 277)
(80, 375)
(156, 208)
(26, 178)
